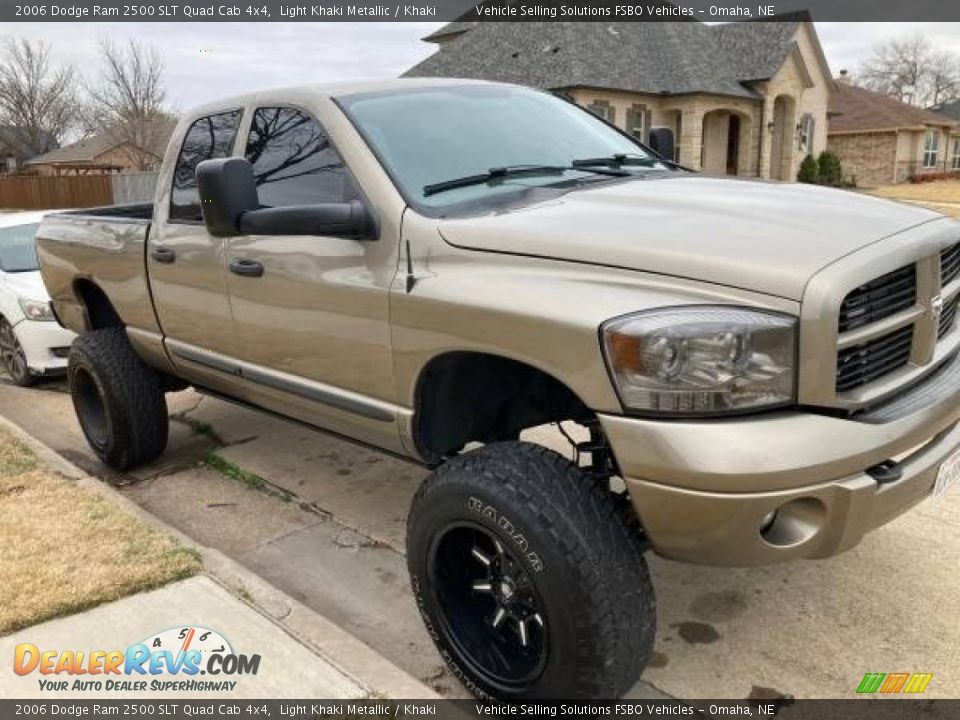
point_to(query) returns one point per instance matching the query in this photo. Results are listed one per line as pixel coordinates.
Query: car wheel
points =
(529, 577)
(12, 356)
(119, 400)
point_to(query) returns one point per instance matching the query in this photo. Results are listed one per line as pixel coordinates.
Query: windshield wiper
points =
(621, 159)
(514, 171)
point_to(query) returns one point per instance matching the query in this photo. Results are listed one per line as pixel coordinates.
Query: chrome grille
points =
(880, 298)
(900, 319)
(949, 264)
(947, 317)
(864, 363)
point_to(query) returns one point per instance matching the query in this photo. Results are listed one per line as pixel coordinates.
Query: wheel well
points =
(468, 397)
(100, 311)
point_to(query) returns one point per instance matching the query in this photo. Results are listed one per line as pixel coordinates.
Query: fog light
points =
(794, 522)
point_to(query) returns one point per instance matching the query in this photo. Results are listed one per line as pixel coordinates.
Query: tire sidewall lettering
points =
(503, 522)
(445, 655)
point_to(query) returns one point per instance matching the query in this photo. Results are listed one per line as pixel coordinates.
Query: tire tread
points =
(134, 397)
(596, 533)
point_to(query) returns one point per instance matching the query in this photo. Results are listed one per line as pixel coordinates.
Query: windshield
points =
(18, 249)
(431, 135)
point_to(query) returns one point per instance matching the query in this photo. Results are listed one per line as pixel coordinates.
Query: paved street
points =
(325, 523)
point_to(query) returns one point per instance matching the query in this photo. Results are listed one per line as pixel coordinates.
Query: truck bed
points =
(111, 240)
(134, 211)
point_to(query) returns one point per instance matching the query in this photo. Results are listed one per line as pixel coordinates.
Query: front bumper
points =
(705, 490)
(45, 344)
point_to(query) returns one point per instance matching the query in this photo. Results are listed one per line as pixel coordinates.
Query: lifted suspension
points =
(602, 465)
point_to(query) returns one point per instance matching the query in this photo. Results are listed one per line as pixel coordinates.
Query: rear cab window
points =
(208, 138)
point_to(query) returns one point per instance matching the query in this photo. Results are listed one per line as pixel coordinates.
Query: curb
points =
(342, 650)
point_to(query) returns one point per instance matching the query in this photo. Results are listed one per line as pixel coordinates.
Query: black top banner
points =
(473, 11)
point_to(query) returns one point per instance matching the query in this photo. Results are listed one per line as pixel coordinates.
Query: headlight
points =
(702, 359)
(36, 309)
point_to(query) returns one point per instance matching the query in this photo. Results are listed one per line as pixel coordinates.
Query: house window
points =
(805, 134)
(931, 148)
(637, 122)
(955, 164)
(603, 109)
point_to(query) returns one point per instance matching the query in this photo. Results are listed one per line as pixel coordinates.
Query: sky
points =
(205, 61)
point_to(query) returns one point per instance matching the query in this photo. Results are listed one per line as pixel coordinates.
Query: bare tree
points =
(912, 70)
(128, 100)
(38, 101)
(943, 78)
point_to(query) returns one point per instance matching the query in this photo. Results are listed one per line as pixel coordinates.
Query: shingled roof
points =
(950, 109)
(659, 58)
(856, 109)
(156, 134)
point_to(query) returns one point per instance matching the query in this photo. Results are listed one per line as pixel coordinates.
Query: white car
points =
(32, 343)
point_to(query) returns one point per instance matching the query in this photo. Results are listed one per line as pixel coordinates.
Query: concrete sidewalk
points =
(286, 669)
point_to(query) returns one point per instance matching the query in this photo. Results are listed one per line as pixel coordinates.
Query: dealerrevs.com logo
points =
(183, 659)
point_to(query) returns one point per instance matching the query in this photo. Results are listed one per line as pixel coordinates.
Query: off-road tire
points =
(119, 400)
(575, 544)
(12, 356)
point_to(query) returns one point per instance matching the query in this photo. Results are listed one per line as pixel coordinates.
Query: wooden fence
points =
(43, 193)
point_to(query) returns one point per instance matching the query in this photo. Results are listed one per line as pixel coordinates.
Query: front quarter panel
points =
(545, 313)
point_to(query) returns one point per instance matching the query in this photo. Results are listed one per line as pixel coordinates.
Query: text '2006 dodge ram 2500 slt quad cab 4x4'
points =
(766, 371)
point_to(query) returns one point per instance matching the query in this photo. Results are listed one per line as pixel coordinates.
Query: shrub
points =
(829, 170)
(925, 177)
(809, 170)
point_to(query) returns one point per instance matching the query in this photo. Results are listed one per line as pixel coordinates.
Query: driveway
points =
(324, 520)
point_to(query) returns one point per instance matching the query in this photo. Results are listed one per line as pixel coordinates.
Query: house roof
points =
(156, 135)
(950, 109)
(856, 109)
(657, 58)
(754, 50)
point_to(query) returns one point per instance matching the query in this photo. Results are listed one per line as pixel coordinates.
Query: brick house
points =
(881, 140)
(747, 99)
(108, 151)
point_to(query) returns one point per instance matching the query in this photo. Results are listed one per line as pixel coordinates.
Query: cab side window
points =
(293, 160)
(209, 137)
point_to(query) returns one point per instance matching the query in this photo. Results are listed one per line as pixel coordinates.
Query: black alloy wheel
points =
(490, 605)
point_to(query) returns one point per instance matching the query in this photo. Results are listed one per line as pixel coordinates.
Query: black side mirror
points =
(230, 206)
(661, 142)
(227, 191)
(346, 220)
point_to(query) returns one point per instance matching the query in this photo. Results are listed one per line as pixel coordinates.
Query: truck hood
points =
(761, 236)
(26, 285)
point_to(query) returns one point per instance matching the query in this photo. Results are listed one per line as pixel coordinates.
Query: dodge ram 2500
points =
(764, 371)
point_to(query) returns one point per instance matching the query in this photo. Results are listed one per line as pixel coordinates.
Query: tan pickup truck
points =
(763, 372)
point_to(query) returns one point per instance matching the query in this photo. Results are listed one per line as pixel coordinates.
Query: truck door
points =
(312, 311)
(187, 266)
